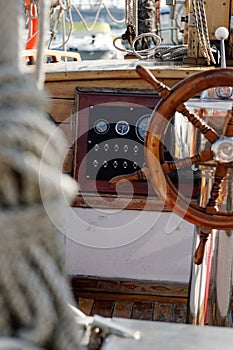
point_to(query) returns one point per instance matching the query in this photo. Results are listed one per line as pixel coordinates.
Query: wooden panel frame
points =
(85, 98)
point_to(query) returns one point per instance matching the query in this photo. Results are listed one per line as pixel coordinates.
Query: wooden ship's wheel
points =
(220, 153)
(207, 303)
(221, 150)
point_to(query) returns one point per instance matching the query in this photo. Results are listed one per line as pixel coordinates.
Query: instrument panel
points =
(111, 128)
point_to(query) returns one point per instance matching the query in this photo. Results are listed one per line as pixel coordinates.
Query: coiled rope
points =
(141, 32)
(34, 295)
(171, 53)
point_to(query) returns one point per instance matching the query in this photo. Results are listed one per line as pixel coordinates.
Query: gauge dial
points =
(101, 126)
(141, 126)
(122, 127)
(224, 92)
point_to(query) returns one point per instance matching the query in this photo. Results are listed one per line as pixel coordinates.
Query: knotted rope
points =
(34, 295)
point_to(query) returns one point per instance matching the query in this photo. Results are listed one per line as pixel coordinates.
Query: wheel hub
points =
(223, 149)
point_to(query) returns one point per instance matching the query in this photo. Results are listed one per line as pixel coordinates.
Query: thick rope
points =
(34, 295)
(171, 53)
(206, 32)
(202, 30)
(146, 23)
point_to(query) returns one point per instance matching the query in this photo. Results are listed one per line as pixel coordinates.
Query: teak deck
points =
(131, 299)
(140, 310)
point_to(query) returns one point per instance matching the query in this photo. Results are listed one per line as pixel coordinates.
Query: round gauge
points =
(101, 126)
(224, 92)
(141, 126)
(122, 127)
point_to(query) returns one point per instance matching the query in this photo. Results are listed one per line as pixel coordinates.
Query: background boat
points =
(96, 25)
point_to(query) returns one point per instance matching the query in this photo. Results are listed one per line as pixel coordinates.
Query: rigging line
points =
(69, 6)
(206, 32)
(39, 72)
(199, 33)
(64, 33)
(63, 7)
(54, 29)
(202, 30)
(101, 4)
(83, 19)
(119, 21)
(200, 17)
(131, 7)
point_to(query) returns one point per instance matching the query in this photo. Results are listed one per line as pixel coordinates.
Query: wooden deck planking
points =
(103, 308)
(85, 305)
(123, 309)
(140, 310)
(131, 299)
(180, 313)
(163, 312)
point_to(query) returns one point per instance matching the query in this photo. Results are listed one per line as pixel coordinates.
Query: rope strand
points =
(202, 30)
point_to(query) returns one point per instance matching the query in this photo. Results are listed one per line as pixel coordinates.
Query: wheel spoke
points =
(139, 175)
(159, 87)
(220, 173)
(210, 134)
(229, 128)
(200, 251)
(201, 157)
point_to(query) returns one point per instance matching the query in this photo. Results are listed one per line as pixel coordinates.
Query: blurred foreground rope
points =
(34, 295)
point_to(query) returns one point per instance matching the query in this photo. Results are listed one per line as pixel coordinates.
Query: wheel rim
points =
(160, 120)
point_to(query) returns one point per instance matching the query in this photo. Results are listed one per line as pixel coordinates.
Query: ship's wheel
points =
(220, 152)
(210, 282)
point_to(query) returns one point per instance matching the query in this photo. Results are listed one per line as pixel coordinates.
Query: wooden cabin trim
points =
(120, 69)
(105, 201)
(137, 289)
(61, 110)
(109, 74)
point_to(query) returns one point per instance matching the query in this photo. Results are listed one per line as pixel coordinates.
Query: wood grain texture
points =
(217, 15)
(125, 286)
(103, 308)
(123, 309)
(86, 305)
(163, 312)
(68, 162)
(142, 311)
(61, 110)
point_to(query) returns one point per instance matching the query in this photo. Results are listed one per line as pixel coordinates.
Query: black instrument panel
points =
(115, 140)
(111, 127)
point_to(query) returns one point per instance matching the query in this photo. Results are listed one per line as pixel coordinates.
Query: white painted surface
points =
(128, 244)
